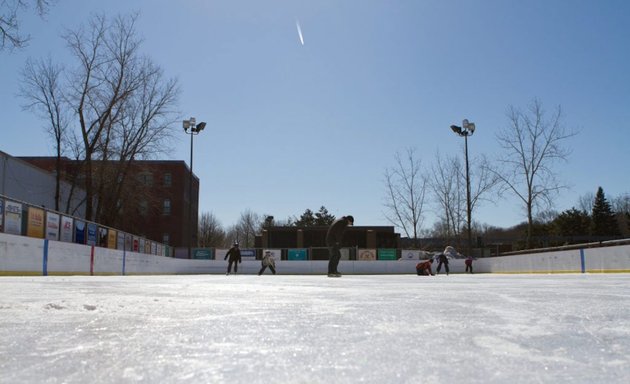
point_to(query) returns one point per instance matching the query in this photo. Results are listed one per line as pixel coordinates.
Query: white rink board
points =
(24, 255)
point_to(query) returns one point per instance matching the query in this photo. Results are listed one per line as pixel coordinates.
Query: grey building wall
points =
(22, 181)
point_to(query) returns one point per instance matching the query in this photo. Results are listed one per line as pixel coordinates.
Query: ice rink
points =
(485, 328)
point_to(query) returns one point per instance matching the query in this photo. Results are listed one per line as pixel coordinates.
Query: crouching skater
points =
(424, 268)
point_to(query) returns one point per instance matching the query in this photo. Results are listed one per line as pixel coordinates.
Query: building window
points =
(168, 179)
(144, 207)
(165, 238)
(146, 178)
(166, 207)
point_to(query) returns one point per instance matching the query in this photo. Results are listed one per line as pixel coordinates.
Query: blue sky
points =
(292, 126)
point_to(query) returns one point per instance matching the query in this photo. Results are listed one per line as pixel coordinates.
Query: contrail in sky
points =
(297, 24)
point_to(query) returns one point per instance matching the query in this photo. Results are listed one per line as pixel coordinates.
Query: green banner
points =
(297, 254)
(202, 253)
(387, 254)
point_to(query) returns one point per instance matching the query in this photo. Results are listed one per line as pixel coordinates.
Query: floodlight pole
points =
(195, 129)
(467, 129)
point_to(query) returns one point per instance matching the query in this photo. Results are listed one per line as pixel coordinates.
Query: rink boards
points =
(20, 255)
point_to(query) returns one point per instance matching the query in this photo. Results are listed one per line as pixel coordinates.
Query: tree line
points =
(594, 218)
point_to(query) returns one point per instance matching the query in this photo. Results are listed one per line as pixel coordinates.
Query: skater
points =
(334, 238)
(424, 268)
(235, 258)
(468, 263)
(267, 261)
(442, 259)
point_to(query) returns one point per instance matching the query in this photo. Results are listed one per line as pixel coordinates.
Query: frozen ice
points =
(482, 328)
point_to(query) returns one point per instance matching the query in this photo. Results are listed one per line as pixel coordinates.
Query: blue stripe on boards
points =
(582, 260)
(45, 261)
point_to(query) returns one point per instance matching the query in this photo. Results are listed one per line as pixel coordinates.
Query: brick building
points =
(160, 206)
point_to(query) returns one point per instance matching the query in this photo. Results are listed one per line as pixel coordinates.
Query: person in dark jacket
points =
(235, 258)
(334, 238)
(442, 259)
(267, 261)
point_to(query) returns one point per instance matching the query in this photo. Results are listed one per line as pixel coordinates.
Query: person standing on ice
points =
(334, 238)
(443, 259)
(468, 263)
(235, 258)
(267, 261)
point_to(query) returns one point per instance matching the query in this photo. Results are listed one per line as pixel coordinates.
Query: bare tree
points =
(585, 202)
(448, 183)
(406, 188)
(245, 230)
(211, 234)
(122, 107)
(10, 35)
(43, 88)
(532, 144)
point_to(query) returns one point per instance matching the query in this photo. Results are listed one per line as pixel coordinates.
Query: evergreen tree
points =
(604, 222)
(306, 220)
(323, 217)
(310, 219)
(572, 222)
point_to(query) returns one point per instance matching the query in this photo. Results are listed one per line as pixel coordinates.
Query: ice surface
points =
(313, 329)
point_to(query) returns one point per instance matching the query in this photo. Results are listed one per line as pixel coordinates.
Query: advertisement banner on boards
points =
(92, 234)
(120, 241)
(410, 254)
(79, 232)
(387, 254)
(202, 253)
(246, 254)
(52, 226)
(35, 223)
(297, 254)
(111, 239)
(275, 253)
(102, 237)
(66, 229)
(366, 254)
(12, 217)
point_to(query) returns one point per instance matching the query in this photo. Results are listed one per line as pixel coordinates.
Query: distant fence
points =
(21, 218)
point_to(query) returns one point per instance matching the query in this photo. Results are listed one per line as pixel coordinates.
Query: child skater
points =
(267, 261)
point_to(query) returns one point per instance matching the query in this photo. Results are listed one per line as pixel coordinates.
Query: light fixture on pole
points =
(191, 126)
(467, 129)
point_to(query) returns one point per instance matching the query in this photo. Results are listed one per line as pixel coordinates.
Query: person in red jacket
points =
(468, 262)
(424, 268)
